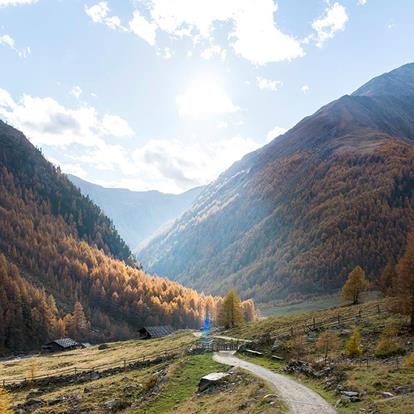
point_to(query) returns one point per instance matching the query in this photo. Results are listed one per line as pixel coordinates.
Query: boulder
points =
(211, 379)
(115, 405)
(350, 396)
(270, 397)
(278, 346)
(103, 346)
(387, 394)
(404, 389)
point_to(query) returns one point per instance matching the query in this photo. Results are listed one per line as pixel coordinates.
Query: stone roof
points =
(158, 331)
(65, 342)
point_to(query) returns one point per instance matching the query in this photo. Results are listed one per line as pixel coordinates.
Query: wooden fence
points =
(338, 320)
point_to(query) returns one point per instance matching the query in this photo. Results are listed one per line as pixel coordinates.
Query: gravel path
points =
(299, 399)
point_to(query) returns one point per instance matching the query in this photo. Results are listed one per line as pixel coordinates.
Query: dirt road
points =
(299, 399)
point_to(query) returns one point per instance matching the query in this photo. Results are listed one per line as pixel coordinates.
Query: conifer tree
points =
(355, 285)
(404, 284)
(353, 346)
(80, 323)
(231, 311)
(387, 278)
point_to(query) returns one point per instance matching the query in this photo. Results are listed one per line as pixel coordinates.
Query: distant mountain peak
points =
(398, 82)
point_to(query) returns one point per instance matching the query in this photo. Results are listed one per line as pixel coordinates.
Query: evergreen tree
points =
(404, 284)
(80, 323)
(387, 278)
(355, 285)
(231, 311)
(353, 346)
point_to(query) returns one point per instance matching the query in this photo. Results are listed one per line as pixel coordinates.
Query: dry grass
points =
(372, 379)
(246, 398)
(82, 359)
(275, 325)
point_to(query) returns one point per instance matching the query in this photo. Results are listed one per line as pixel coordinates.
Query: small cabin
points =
(150, 332)
(62, 344)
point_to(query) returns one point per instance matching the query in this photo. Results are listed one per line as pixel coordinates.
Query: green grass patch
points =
(182, 382)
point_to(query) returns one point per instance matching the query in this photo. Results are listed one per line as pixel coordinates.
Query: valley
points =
(383, 385)
(193, 221)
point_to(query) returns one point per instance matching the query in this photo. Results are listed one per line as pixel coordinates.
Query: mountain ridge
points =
(267, 252)
(137, 215)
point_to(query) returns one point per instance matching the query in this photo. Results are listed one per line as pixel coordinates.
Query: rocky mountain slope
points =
(294, 217)
(137, 215)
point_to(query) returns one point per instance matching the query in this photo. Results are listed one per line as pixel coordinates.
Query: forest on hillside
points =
(42, 253)
(297, 225)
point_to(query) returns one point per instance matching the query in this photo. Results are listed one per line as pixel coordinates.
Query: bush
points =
(409, 361)
(388, 344)
(353, 346)
(5, 402)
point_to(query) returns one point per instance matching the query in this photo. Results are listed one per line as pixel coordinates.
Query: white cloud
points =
(46, 122)
(204, 98)
(4, 3)
(362, 2)
(176, 165)
(8, 41)
(116, 126)
(165, 53)
(254, 36)
(272, 85)
(274, 133)
(76, 91)
(305, 88)
(142, 28)
(333, 21)
(99, 14)
(213, 50)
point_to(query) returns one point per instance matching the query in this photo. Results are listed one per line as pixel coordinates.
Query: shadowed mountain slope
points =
(137, 215)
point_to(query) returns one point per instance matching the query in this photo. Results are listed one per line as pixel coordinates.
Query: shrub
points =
(409, 361)
(5, 402)
(388, 345)
(353, 345)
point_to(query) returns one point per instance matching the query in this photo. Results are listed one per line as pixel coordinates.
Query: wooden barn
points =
(150, 332)
(62, 344)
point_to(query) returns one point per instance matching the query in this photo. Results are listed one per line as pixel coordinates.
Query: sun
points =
(203, 98)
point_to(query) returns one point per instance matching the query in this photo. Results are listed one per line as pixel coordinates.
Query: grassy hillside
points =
(167, 387)
(368, 374)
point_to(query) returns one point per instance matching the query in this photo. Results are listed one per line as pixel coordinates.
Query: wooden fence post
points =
(291, 331)
(314, 324)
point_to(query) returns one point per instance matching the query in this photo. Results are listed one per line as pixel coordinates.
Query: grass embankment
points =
(91, 358)
(370, 379)
(244, 393)
(164, 388)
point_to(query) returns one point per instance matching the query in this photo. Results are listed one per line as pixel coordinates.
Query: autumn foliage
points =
(353, 345)
(355, 285)
(54, 238)
(230, 312)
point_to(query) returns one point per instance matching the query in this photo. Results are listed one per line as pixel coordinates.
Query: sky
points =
(167, 94)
